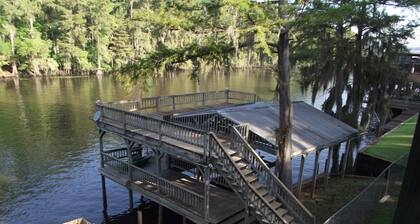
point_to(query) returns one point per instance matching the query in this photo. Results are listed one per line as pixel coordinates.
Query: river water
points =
(48, 145)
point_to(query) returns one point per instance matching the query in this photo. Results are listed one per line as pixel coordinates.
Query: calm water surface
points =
(48, 144)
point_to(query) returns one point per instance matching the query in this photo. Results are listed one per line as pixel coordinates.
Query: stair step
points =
(236, 159)
(230, 152)
(288, 218)
(269, 198)
(247, 171)
(281, 211)
(256, 185)
(275, 205)
(241, 165)
(263, 191)
(251, 178)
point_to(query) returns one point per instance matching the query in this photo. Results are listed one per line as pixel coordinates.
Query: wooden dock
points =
(203, 164)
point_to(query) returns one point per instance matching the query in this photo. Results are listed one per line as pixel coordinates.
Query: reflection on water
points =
(48, 146)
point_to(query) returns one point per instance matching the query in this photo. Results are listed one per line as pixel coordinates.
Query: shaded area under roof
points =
(312, 129)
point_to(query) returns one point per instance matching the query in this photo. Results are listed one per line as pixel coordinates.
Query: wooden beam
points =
(346, 155)
(160, 214)
(104, 199)
(300, 179)
(101, 146)
(130, 199)
(327, 166)
(315, 173)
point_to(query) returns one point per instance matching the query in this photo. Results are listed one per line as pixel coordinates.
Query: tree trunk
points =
(283, 135)
(12, 45)
(131, 8)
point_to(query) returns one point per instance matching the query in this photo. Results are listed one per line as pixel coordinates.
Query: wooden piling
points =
(315, 173)
(327, 166)
(300, 179)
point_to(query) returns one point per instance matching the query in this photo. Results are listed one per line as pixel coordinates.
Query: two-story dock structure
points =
(196, 154)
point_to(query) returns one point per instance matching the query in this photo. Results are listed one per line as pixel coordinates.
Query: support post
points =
(315, 173)
(104, 199)
(388, 175)
(101, 146)
(300, 179)
(346, 155)
(160, 214)
(130, 146)
(327, 166)
(206, 192)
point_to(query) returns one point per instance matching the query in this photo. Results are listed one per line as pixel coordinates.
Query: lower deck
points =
(182, 193)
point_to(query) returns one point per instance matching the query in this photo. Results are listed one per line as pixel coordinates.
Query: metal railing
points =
(132, 121)
(156, 184)
(389, 180)
(267, 177)
(172, 102)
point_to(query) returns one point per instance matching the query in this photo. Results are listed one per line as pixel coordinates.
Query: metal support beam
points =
(300, 178)
(327, 166)
(315, 173)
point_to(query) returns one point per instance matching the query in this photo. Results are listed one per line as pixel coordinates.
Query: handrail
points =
(181, 99)
(275, 185)
(173, 191)
(266, 211)
(164, 128)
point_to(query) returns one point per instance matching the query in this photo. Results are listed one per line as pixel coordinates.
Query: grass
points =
(394, 144)
(383, 213)
(338, 193)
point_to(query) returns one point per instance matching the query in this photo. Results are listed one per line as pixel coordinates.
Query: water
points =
(48, 145)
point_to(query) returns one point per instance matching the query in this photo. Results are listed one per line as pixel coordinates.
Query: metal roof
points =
(312, 129)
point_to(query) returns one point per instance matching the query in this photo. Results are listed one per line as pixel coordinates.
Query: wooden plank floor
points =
(223, 203)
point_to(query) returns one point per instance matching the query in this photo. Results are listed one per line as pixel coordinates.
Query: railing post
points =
(206, 192)
(173, 103)
(227, 95)
(203, 98)
(254, 98)
(125, 120)
(158, 104)
(138, 105)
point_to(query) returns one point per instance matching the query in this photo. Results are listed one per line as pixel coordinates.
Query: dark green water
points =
(48, 145)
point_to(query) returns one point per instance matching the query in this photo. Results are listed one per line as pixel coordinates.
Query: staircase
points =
(265, 195)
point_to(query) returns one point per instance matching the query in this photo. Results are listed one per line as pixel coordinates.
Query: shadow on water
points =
(48, 145)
